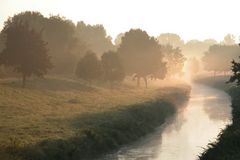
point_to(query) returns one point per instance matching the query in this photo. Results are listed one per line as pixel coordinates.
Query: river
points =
(185, 135)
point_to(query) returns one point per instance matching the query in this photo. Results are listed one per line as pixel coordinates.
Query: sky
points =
(191, 19)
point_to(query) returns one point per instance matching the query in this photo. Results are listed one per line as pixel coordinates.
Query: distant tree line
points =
(193, 47)
(218, 57)
(215, 56)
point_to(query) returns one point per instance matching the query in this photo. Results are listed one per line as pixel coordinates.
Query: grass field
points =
(56, 109)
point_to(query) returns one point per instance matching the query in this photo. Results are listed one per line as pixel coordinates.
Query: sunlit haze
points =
(190, 19)
(119, 79)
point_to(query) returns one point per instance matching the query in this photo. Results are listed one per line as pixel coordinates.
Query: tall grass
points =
(102, 132)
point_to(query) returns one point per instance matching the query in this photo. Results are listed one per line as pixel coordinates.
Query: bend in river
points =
(184, 136)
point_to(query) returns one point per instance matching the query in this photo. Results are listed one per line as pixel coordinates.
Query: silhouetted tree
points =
(35, 20)
(141, 55)
(60, 34)
(112, 67)
(24, 50)
(175, 60)
(236, 73)
(89, 67)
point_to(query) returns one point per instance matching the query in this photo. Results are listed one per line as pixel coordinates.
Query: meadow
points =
(64, 118)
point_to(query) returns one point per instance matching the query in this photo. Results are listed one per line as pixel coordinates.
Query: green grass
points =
(227, 147)
(59, 118)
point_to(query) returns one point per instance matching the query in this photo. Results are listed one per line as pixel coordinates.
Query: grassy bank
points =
(227, 147)
(56, 119)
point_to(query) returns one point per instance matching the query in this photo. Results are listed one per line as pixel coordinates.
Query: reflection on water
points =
(184, 136)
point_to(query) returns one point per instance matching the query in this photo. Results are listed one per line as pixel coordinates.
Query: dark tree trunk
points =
(145, 80)
(23, 80)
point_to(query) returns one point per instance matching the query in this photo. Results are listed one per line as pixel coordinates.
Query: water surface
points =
(185, 135)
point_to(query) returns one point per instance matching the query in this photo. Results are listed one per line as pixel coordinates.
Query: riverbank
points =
(59, 119)
(200, 121)
(227, 146)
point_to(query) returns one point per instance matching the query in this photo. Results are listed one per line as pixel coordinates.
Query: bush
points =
(89, 67)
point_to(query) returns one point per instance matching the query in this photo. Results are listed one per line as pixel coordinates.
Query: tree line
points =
(32, 44)
(215, 56)
(218, 58)
(66, 42)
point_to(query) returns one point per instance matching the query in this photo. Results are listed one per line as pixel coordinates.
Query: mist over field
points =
(91, 80)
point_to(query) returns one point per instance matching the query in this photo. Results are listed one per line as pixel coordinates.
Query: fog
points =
(142, 56)
(120, 80)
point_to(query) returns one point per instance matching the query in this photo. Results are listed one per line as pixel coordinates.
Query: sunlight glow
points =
(191, 19)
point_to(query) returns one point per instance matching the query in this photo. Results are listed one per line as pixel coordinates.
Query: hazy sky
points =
(191, 19)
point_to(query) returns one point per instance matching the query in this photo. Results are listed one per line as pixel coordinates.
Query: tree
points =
(24, 50)
(95, 37)
(217, 58)
(59, 32)
(2, 42)
(170, 39)
(175, 60)
(112, 67)
(197, 48)
(65, 48)
(118, 39)
(141, 55)
(236, 73)
(210, 41)
(229, 39)
(89, 67)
